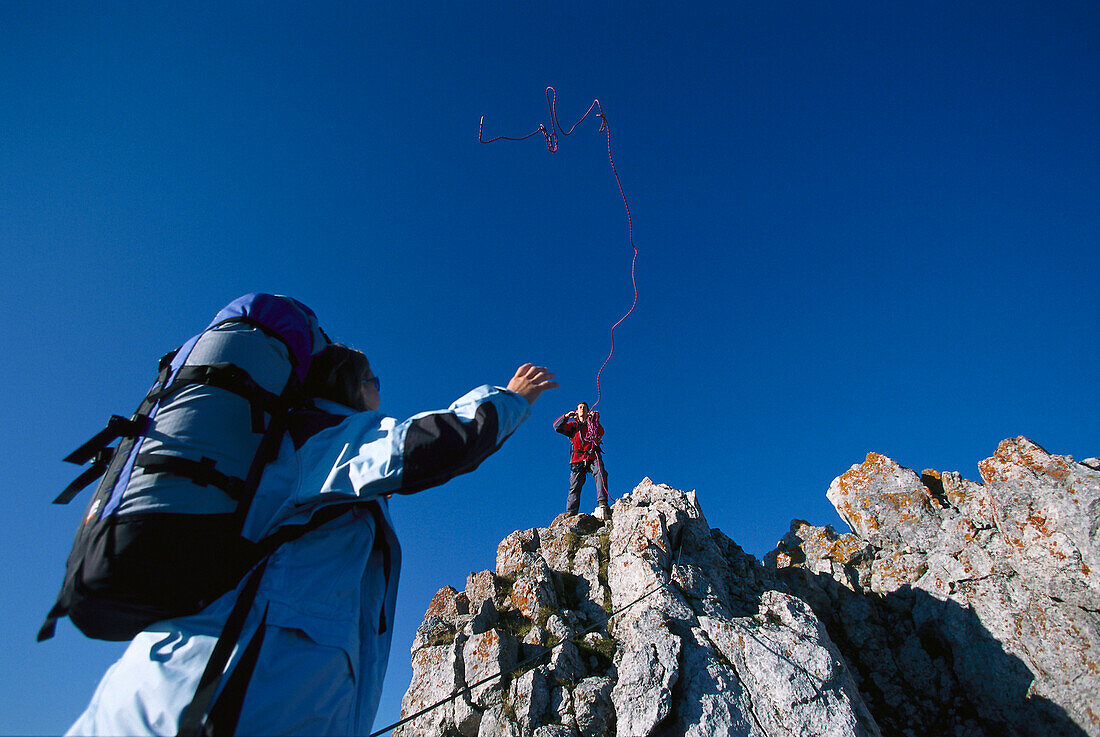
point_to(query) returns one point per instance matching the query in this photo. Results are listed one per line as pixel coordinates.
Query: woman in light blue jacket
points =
(312, 651)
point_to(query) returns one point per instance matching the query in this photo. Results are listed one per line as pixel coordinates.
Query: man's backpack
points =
(161, 536)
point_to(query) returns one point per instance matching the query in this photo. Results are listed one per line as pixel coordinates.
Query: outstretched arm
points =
(381, 456)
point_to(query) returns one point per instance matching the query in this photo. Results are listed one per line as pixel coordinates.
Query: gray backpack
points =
(161, 536)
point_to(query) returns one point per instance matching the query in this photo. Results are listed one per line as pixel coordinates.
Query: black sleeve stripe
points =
(303, 424)
(439, 447)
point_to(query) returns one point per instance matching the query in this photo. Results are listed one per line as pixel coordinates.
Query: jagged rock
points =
(484, 620)
(566, 664)
(586, 564)
(517, 554)
(467, 717)
(441, 619)
(1047, 508)
(975, 606)
(648, 669)
(953, 607)
(595, 714)
(536, 636)
(480, 587)
(652, 668)
(485, 655)
(433, 631)
(532, 595)
(530, 696)
(784, 653)
(558, 627)
(440, 663)
(496, 723)
(554, 730)
(561, 707)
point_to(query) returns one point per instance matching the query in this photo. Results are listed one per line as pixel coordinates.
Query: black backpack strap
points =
(233, 379)
(117, 427)
(193, 720)
(308, 420)
(202, 471)
(49, 627)
(99, 467)
(226, 711)
(204, 716)
(96, 450)
(266, 452)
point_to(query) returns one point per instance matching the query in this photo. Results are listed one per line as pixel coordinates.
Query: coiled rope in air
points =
(551, 136)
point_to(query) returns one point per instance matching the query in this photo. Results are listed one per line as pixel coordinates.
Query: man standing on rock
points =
(583, 428)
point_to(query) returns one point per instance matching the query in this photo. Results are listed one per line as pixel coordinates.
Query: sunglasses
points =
(375, 382)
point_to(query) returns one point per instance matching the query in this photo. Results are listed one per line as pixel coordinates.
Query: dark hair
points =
(337, 373)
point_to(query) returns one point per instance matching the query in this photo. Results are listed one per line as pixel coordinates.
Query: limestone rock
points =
(962, 606)
(1047, 508)
(441, 619)
(595, 713)
(669, 661)
(440, 663)
(485, 655)
(532, 595)
(480, 587)
(483, 619)
(953, 607)
(530, 698)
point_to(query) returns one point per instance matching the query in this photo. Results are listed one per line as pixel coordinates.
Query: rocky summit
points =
(951, 608)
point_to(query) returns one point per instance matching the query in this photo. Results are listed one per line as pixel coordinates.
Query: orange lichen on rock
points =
(485, 646)
(479, 587)
(890, 572)
(1016, 455)
(447, 604)
(649, 532)
(825, 543)
(530, 594)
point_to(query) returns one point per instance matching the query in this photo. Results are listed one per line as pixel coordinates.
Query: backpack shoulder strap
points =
(204, 715)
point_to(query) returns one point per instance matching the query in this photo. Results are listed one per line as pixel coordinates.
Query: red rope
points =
(551, 136)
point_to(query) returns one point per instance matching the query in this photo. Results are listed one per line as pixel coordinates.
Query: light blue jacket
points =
(324, 597)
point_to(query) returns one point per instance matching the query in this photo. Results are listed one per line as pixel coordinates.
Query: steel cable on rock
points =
(533, 658)
(668, 580)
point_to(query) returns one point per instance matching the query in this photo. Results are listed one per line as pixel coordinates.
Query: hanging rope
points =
(551, 136)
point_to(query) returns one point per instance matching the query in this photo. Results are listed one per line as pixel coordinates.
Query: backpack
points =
(161, 536)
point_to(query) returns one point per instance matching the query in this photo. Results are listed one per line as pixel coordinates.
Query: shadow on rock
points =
(928, 666)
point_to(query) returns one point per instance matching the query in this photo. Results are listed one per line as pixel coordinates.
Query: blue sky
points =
(861, 226)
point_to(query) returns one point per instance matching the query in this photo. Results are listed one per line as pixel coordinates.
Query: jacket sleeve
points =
(564, 426)
(369, 455)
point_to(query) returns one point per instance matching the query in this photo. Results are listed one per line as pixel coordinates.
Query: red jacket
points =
(573, 429)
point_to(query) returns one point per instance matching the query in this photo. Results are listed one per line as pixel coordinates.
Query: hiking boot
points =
(602, 512)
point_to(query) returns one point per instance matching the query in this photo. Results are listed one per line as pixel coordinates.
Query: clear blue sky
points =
(862, 226)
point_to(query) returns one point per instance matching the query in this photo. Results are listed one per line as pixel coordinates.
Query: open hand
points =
(530, 381)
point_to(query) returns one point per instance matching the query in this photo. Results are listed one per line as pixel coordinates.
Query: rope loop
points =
(551, 136)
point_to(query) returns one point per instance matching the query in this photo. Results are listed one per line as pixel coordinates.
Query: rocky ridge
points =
(952, 608)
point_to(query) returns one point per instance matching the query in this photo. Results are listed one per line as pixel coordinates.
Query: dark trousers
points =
(577, 474)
